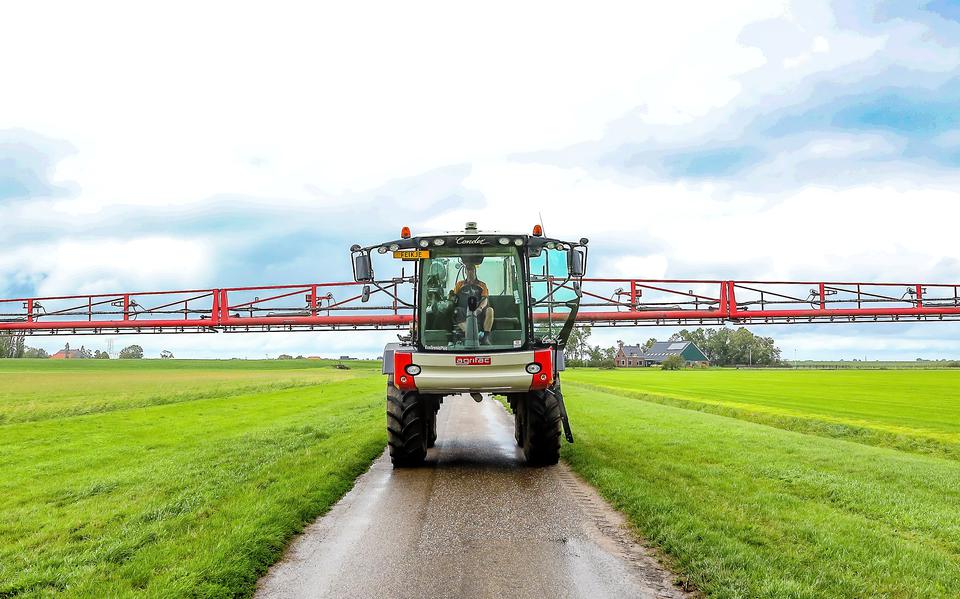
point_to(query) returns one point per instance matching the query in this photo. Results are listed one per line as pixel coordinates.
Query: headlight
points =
(424, 243)
(551, 245)
(517, 242)
(394, 247)
(412, 369)
(382, 249)
(438, 241)
(534, 368)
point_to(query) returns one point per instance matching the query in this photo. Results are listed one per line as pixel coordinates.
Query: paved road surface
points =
(474, 522)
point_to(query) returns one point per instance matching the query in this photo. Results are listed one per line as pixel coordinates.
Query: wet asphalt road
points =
(473, 522)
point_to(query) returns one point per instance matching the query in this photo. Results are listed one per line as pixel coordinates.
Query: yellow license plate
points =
(411, 254)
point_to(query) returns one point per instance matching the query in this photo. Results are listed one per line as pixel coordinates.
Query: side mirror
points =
(362, 268)
(365, 294)
(575, 263)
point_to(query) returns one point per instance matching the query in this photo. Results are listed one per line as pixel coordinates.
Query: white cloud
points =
(106, 266)
(326, 116)
(193, 101)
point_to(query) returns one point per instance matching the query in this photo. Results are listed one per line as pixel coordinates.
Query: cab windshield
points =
(472, 298)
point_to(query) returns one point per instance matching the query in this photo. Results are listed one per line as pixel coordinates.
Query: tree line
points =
(13, 345)
(579, 352)
(723, 347)
(729, 347)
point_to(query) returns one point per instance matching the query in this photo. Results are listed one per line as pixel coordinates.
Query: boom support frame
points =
(605, 302)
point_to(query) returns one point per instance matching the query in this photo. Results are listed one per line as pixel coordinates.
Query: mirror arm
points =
(394, 296)
(568, 325)
(550, 295)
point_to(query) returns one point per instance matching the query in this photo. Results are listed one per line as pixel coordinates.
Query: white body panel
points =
(506, 373)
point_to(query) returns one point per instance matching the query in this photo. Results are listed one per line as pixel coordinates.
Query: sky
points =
(241, 143)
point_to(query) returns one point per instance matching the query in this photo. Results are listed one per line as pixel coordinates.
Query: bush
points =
(133, 352)
(608, 364)
(674, 362)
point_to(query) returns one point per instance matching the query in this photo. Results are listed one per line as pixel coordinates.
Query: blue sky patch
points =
(718, 162)
(26, 163)
(901, 114)
(948, 9)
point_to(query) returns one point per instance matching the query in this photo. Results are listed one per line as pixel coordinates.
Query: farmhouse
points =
(633, 355)
(629, 355)
(67, 354)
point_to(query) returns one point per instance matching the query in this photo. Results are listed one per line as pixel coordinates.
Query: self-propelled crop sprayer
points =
(481, 312)
(493, 312)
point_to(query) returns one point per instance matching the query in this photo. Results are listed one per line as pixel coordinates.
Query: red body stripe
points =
(544, 378)
(402, 380)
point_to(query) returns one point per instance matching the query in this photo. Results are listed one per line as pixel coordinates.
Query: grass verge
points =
(195, 498)
(747, 510)
(45, 389)
(916, 411)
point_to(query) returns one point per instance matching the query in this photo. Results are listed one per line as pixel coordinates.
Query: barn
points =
(633, 355)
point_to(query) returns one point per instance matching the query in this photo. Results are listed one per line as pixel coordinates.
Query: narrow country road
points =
(473, 522)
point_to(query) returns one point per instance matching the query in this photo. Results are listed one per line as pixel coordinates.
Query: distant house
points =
(633, 355)
(67, 354)
(629, 355)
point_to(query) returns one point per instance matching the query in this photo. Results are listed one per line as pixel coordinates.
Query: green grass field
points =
(171, 479)
(42, 389)
(186, 478)
(913, 410)
(781, 483)
(874, 364)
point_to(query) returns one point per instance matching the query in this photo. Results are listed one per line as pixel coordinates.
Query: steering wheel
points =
(467, 292)
(470, 293)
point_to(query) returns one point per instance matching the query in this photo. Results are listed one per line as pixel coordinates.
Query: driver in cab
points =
(484, 311)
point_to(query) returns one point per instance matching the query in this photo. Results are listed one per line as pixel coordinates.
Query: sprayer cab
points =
(486, 290)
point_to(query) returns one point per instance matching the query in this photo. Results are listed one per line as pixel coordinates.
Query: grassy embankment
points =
(782, 484)
(186, 478)
(171, 478)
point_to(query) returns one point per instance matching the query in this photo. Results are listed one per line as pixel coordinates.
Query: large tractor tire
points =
(431, 409)
(517, 405)
(408, 432)
(541, 428)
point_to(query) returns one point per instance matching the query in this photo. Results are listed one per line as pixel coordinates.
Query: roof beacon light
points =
(537, 231)
(405, 233)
